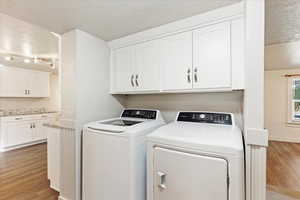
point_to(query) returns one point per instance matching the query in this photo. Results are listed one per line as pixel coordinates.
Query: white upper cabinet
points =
(147, 66)
(39, 84)
(211, 57)
(13, 82)
(136, 68)
(123, 69)
(200, 59)
(176, 62)
(17, 82)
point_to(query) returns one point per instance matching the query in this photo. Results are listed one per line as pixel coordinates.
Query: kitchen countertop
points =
(60, 125)
(27, 114)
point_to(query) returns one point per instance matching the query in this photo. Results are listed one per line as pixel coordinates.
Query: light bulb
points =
(8, 58)
(27, 60)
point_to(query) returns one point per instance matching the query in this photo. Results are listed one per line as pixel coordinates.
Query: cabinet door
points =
(123, 73)
(147, 74)
(177, 61)
(211, 57)
(186, 176)
(40, 86)
(39, 130)
(17, 133)
(13, 82)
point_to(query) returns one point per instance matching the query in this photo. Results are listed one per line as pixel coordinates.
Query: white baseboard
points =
(62, 198)
(22, 145)
(54, 188)
(279, 139)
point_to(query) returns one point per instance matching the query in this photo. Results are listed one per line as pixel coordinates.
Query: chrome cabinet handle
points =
(188, 76)
(18, 118)
(28, 91)
(136, 80)
(162, 180)
(132, 83)
(195, 75)
(31, 126)
(25, 91)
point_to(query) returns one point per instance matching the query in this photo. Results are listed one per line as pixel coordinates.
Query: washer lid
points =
(121, 122)
(213, 138)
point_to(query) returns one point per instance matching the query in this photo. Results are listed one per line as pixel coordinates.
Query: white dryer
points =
(114, 155)
(199, 156)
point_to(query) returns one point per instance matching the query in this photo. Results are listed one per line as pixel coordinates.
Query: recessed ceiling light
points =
(8, 58)
(27, 60)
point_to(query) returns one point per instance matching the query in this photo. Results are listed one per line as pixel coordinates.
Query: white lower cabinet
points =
(23, 130)
(16, 133)
(187, 176)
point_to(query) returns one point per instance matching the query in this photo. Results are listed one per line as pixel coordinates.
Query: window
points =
(294, 100)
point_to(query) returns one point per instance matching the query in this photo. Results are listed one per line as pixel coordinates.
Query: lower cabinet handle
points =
(162, 180)
(132, 82)
(136, 80)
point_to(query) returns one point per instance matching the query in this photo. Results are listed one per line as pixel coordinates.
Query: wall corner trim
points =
(257, 137)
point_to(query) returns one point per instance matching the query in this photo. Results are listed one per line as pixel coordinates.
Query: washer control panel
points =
(144, 114)
(205, 117)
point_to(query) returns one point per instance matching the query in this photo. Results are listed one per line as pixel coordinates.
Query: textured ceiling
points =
(111, 19)
(282, 21)
(108, 19)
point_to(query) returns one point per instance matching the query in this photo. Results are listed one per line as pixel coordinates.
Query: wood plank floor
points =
(283, 168)
(23, 174)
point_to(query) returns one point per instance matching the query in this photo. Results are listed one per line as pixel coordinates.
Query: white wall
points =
(51, 103)
(93, 101)
(276, 107)
(170, 104)
(67, 151)
(85, 97)
(282, 56)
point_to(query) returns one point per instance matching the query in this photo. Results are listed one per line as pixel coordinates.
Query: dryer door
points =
(187, 176)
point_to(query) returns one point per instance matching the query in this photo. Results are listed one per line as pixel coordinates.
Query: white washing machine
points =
(114, 156)
(199, 156)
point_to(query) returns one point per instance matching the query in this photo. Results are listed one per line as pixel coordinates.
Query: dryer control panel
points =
(205, 117)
